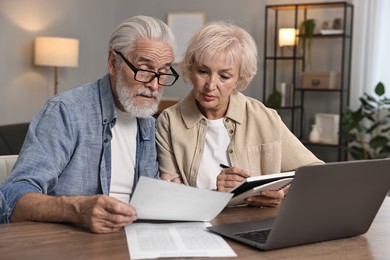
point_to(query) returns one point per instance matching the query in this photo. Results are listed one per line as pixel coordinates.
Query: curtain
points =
(371, 48)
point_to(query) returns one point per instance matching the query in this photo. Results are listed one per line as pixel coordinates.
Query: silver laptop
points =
(325, 202)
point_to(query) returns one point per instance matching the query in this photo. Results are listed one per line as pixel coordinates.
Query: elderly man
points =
(87, 147)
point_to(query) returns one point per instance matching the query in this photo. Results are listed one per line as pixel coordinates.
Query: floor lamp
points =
(56, 52)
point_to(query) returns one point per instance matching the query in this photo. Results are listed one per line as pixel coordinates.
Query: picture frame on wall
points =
(328, 125)
(184, 25)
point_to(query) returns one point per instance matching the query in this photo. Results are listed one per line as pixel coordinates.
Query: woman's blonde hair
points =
(219, 37)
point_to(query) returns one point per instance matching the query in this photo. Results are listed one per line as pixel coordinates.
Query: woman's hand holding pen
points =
(230, 177)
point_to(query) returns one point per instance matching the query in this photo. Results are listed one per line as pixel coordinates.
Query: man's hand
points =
(104, 214)
(269, 198)
(230, 178)
(101, 213)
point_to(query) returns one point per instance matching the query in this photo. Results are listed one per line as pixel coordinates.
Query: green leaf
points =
(373, 127)
(371, 98)
(380, 89)
(386, 130)
(350, 137)
(378, 141)
(358, 153)
(385, 150)
(370, 116)
(366, 104)
(357, 115)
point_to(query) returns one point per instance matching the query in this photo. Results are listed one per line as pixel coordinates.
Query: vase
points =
(314, 135)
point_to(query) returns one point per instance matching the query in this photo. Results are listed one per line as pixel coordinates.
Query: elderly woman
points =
(216, 124)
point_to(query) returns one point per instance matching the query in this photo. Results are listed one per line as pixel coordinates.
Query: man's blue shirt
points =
(67, 150)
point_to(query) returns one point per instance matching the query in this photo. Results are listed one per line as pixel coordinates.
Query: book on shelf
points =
(252, 186)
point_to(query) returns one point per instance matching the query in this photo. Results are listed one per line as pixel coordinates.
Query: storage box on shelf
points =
(320, 80)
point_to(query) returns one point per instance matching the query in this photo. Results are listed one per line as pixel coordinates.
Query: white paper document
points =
(186, 239)
(162, 200)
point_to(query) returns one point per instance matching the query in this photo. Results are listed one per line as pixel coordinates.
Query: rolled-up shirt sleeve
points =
(45, 153)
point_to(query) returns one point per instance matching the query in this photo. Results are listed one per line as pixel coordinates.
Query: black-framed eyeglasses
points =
(146, 76)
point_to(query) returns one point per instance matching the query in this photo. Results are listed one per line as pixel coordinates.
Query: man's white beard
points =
(126, 98)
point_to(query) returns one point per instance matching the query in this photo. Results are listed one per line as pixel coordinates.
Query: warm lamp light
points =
(56, 52)
(287, 36)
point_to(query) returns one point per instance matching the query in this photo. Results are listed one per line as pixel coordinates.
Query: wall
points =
(24, 87)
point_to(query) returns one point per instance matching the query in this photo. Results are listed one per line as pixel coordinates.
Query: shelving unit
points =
(330, 52)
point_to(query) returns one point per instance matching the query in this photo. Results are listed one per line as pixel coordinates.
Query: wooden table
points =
(30, 240)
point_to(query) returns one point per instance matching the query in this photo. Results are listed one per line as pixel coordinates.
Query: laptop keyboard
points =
(259, 236)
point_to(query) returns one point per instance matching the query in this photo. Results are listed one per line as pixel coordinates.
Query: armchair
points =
(6, 164)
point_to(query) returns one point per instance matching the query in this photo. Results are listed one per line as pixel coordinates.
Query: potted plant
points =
(367, 129)
(306, 32)
(274, 100)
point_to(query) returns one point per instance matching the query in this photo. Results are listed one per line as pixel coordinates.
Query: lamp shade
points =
(287, 36)
(55, 51)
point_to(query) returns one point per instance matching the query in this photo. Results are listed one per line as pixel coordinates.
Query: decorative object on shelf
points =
(274, 100)
(325, 25)
(315, 134)
(184, 25)
(306, 32)
(287, 93)
(56, 52)
(337, 24)
(283, 93)
(320, 80)
(329, 125)
(287, 37)
(367, 129)
(335, 28)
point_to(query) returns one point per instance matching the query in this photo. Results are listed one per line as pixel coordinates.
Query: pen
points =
(223, 166)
